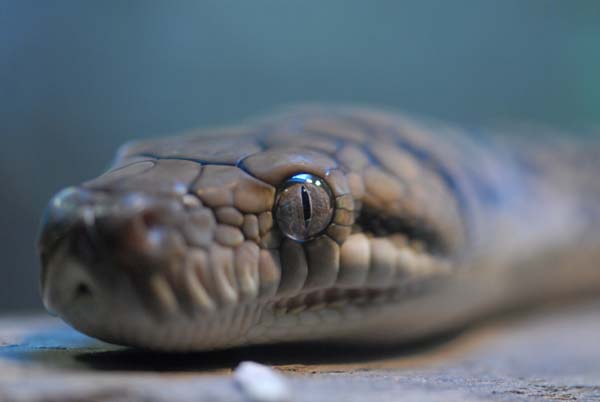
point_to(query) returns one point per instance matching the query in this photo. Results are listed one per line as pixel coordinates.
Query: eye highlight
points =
(304, 206)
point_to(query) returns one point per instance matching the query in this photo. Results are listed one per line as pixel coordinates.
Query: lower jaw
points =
(225, 328)
(312, 316)
(243, 325)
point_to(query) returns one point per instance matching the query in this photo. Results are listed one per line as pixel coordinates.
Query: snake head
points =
(261, 234)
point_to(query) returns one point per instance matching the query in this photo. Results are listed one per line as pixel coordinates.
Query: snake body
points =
(321, 223)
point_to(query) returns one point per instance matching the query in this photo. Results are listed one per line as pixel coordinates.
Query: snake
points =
(320, 223)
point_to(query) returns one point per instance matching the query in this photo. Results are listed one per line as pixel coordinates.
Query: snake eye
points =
(304, 206)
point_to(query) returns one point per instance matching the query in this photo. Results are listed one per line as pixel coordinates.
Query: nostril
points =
(82, 290)
(68, 285)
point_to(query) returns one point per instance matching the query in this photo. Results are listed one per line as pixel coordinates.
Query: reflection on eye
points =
(304, 207)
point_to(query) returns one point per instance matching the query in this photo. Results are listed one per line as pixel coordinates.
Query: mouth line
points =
(341, 298)
(367, 296)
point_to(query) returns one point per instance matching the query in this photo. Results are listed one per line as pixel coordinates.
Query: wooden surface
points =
(549, 355)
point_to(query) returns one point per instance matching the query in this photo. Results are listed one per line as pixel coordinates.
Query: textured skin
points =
(176, 246)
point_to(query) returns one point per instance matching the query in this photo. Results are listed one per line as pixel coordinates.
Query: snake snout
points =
(94, 244)
(119, 266)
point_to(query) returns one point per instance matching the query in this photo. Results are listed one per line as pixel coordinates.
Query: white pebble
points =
(261, 384)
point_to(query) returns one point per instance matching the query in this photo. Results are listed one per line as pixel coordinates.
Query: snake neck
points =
(572, 168)
(539, 230)
(529, 197)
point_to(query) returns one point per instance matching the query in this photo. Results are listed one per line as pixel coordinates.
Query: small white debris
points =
(261, 384)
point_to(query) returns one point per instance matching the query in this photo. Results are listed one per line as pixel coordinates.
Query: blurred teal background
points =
(79, 78)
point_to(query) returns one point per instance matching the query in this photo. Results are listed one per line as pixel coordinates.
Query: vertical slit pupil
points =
(305, 204)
